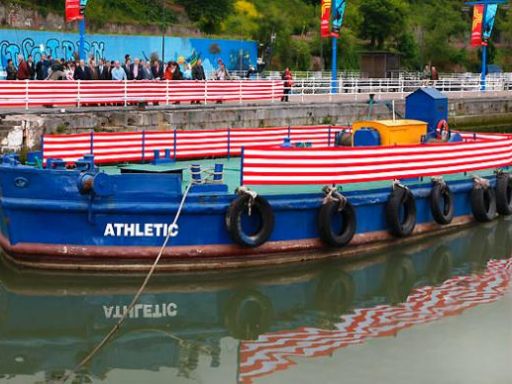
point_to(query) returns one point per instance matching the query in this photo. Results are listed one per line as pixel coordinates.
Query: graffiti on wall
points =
(235, 54)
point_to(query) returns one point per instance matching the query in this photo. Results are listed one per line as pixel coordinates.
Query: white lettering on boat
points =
(142, 311)
(140, 230)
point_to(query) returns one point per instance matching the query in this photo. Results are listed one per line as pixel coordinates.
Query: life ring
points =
(255, 213)
(441, 203)
(443, 130)
(440, 266)
(504, 194)
(331, 231)
(248, 314)
(399, 279)
(335, 293)
(483, 203)
(401, 212)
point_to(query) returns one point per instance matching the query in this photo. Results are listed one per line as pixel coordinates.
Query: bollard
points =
(195, 171)
(218, 173)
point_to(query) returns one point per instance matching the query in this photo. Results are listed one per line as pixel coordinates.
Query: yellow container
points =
(395, 132)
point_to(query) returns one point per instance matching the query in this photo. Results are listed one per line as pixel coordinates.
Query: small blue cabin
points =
(429, 105)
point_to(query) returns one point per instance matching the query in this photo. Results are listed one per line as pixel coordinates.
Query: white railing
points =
(304, 89)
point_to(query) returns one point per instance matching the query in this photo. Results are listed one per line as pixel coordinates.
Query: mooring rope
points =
(117, 326)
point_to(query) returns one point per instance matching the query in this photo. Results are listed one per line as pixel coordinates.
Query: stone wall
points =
(21, 129)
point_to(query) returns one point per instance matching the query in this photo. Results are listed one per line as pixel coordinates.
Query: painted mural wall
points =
(236, 54)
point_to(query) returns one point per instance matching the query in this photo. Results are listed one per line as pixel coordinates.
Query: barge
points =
(296, 191)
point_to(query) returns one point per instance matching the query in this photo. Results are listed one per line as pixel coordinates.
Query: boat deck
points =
(232, 176)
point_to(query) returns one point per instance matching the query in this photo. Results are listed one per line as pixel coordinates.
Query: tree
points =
(381, 19)
(207, 13)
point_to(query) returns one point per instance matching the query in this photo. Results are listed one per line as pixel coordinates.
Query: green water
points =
(437, 310)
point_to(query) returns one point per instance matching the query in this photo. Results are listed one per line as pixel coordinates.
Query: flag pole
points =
(334, 60)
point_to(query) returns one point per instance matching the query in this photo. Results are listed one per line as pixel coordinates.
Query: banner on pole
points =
(73, 10)
(325, 23)
(490, 17)
(476, 30)
(338, 15)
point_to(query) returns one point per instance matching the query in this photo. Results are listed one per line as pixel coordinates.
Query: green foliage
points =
(423, 31)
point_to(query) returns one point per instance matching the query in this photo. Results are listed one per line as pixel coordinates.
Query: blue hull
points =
(45, 218)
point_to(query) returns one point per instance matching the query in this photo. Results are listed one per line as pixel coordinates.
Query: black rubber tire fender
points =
(442, 203)
(440, 266)
(399, 279)
(483, 204)
(504, 194)
(248, 314)
(327, 234)
(234, 214)
(401, 197)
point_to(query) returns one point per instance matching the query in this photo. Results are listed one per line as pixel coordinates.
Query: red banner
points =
(73, 10)
(476, 31)
(325, 24)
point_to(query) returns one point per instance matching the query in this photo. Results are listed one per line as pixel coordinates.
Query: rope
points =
(481, 182)
(173, 229)
(252, 197)
(332, 194)
(438, 180)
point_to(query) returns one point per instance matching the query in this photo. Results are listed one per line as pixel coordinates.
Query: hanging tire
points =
(329, 232)
(335, 293)
(248, 314)
(261, 221)
(440, 266)
(399, 279)
(504, 194)
(442, 203)
(401, 212)
(483, 203)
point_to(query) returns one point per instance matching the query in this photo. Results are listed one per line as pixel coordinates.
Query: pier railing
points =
(191, 144)
(29, 93)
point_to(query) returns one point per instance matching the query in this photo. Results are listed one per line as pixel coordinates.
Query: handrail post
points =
(229, 143)
(240, 90)
(125, 93)
(92, 142)
(242, 167)
(273, 92)
(175, 144)
(78, 94)
(166, 92)
(26, 95)
(143, 144)
(205, 92)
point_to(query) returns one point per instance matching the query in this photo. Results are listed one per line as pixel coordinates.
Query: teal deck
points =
(232, 176)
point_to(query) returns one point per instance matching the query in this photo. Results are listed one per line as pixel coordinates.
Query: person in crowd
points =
(136, 70)
(69, 70)
(31, 67)
(42, 68)
(92, 67)
(128, 67)
(222, 72)
(157, 70)
(102, 71)
(287, 76)
(251, 72)
(11, 70)
(434, 75)
(82, 72)
(57, 72)
(173, 72)
(23, 69)
(147, 73)
(198, 71)
(118, 73)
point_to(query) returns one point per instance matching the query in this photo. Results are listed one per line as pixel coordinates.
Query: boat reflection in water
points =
(244, 325)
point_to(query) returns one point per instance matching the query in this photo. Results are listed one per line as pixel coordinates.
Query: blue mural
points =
(236, 54)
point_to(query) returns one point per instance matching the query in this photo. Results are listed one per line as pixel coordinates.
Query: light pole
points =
(486, 34)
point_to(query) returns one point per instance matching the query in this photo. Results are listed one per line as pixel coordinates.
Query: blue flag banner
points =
(338, 14)
(490, 16)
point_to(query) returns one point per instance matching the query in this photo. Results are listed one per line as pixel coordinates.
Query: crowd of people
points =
(48, 68)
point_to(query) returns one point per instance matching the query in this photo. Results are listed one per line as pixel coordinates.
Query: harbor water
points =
(436, 310)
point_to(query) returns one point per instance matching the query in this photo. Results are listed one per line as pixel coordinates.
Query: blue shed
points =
(427, 104)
